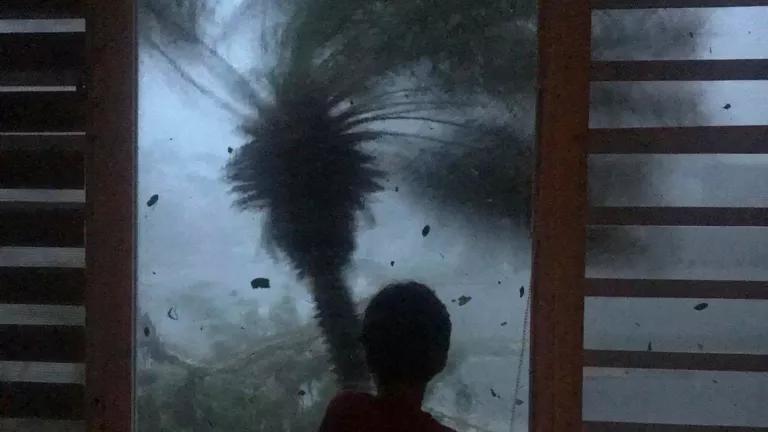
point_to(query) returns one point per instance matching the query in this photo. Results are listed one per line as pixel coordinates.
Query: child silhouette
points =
(406, 335)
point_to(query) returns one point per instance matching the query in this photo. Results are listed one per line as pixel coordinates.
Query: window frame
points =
(558, 229)
(560, 216)
(110, 219)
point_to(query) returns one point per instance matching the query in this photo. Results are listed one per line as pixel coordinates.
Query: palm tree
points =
(305, 170)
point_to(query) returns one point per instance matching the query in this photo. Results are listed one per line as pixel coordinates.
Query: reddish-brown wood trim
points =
(647, 427)
(28, 52)
(680, 70)
(680, 216)
(679, 140)
(655, 4)
(657, 288)
(41, 400)
(18, 204)
(53, 142)
(18, 9)
(41, 78)
(676, 361)
(42, 112)
(42, 228)
(51, 168)
(110, 197)
(559, 215)
(65, 344)
(40, 285)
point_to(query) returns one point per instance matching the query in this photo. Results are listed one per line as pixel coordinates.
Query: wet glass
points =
(288, 150)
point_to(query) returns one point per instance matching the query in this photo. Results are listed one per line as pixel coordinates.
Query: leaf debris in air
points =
(494, 394)
(302, 392)
(230, 150)
(519, 402)
(727, 106)
(425, 231)
(172, 314)
(464, 300)
(153, 200)
(392, 263)
(701, 306)
(650, 347)
(504, 324)
(522, 291)
(146, 331)
(260, 283)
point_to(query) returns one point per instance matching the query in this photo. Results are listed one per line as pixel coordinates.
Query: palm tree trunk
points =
(340, 324)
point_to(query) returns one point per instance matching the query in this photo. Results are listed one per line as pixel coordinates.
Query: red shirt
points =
(361, 412)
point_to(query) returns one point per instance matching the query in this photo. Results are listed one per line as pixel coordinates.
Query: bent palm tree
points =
(304, 168)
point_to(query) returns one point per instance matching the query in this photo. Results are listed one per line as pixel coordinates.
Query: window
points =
(286, 146)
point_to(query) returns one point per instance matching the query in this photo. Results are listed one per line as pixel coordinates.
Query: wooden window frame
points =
(559, 221)
(560, 216)
(110, 220)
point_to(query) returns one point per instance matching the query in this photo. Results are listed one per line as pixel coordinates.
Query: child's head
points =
(406, 334)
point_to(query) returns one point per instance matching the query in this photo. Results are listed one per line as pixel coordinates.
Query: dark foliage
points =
(305, 170)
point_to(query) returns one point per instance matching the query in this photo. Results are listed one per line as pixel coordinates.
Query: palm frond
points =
(491, 179)
(176, 29)
(195, 82)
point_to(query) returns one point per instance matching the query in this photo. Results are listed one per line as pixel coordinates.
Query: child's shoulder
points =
(348, 398)
(436, 425)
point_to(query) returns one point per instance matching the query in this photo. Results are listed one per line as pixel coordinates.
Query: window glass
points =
(295, 157)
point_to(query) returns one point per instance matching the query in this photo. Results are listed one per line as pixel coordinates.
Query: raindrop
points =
(464, 300)
(260, 283)
(425, 231)
(153, 200)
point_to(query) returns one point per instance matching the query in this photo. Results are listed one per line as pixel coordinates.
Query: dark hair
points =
(406, 334)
